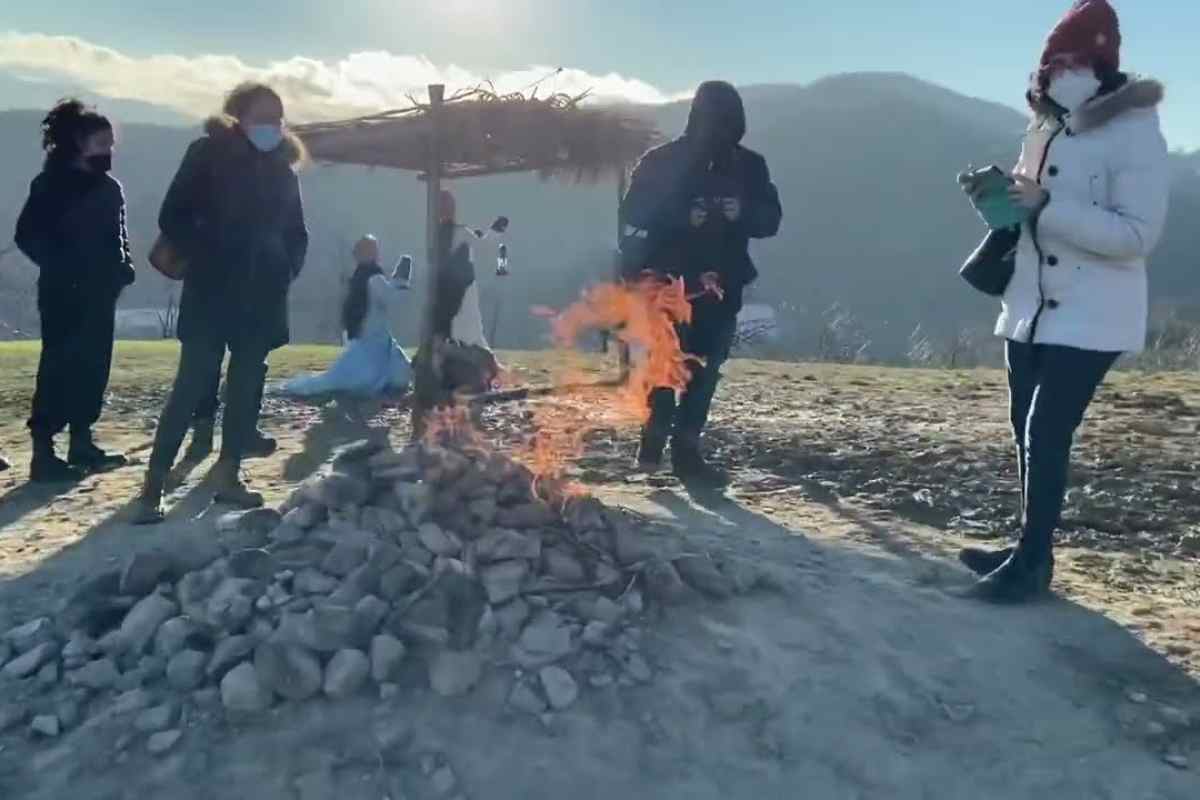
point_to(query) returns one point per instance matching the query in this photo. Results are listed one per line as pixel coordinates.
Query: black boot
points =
(201, 445)
(1025, 576)
(690, 467)
(260, 445)
(148, 508)
(47, 467)
(4, 465)
(984, 562)
(85, 455)
(650, 451)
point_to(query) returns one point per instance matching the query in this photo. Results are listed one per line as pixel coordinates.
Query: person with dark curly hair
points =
(73, 228)
(235, 214)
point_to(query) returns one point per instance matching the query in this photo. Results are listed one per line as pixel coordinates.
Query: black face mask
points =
(101, 163)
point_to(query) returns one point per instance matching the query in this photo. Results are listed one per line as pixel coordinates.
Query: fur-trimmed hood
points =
(223, 128)
(1138, 93)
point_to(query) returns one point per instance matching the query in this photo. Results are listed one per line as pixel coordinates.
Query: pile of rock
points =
(426, 566)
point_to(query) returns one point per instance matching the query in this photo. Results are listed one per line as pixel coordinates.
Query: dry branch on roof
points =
(487, 133)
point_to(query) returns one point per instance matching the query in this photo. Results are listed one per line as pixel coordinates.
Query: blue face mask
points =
(265, 138)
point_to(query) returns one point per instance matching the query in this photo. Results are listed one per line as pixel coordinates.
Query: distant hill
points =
(874, 221)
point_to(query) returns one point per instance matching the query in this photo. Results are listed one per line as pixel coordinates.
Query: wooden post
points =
(425, 379)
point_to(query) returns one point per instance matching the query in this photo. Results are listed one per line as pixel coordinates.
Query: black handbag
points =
(990, 268)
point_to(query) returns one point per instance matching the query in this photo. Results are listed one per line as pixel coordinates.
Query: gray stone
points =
(453, 673)
(287, 670)
(528, 516)
(232, 604)
(630, 545)
(178, 634)
(288, 534)
(663, 582)
(344, 558)
(637, 668)
(48, 675)
(97, 675)
(252, 564)
(143, 620)
(194, 589)
(209, 697)
(426, 621)
(564, 566)
(503, 581)
(523, 698)
(512, 617)
(545, 640)
(144, 572)
(255, 524)
(702, 575)
(161, 742)
(416, 501)
(560, 688)
(24, 638)
(317, 784)
(69, 711)
(507, 545)
(438, 541)
(346, 673)
(12, 715)
(185, 671)
(228, 654)
(444, 781)
(362, 582)
(369, 614)
(242, 692)
(606, 611)
(28, 664)
(387, 658)
(595, 634)
(383, 522)
(401, 580)
(159, 718)
(6, 652)
(46, 725)
(313, 581)
(341, 490)
(305, 517)
(193, 550)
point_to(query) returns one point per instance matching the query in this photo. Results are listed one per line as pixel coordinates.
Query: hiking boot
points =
(85, 455)
(201, 445)
(4, 465)
(228, 488)
(1025, 576)
(47, 467)
(691, 468)
(149, 503)
(650, 453)
(260, 446)
(982, 561)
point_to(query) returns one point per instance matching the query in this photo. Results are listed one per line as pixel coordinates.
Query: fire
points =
(644, 315)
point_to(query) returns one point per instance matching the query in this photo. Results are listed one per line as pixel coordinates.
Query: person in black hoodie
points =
(73, 228)
(235, 213)
(692, 208)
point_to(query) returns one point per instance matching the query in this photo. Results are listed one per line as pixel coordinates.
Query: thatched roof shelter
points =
(484, 133)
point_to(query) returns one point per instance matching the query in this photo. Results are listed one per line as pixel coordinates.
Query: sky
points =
(345, 56)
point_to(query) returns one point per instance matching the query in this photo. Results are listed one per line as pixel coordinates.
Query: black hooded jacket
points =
(237, 216)
(704, 165)
(73, 228)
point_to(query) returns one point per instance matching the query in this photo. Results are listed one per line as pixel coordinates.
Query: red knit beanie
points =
(1089, 34)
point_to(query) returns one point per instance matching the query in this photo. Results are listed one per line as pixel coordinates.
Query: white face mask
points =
(1073, 88)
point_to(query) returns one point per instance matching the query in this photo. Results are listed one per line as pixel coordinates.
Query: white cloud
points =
(359, 83)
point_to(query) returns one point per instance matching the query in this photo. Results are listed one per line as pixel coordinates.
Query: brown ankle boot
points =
(228, 488)
(149, 503)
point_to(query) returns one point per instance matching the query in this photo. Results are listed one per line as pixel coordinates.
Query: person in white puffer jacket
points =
(1094, 175)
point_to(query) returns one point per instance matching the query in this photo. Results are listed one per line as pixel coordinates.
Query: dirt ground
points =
(860, 674)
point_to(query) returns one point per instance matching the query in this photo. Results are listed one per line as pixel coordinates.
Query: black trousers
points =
(199, 370)
(710, 336)
(1050, 388)
(76, 360)
(207, 410)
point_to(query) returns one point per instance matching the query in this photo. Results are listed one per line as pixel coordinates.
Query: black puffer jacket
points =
(73, 228)
(703, 165)
(237, 216)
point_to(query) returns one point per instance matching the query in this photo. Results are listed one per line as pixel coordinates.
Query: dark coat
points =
(237, 217)
(73, 228)
(703, 165)
(455, 276)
